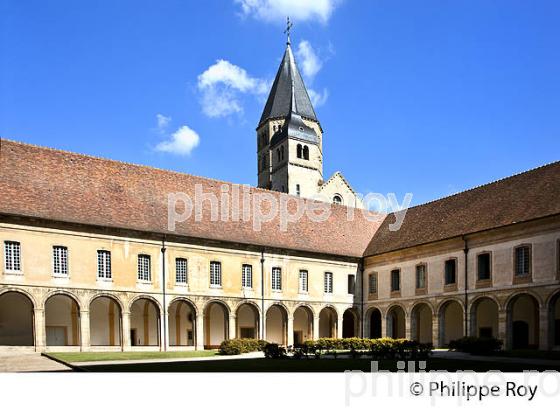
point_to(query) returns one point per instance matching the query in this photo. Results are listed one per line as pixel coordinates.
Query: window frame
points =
(185, 274)
(276, 283)
(450, 285)
(328, 283)
(351, 286)
(216, 275)
(246, 277)
(373, 294)
(66, 265)
(488, 280)
(395, 292)
(421, 290)
(528, 277)
(148, 258)
(108, 273)
(303, 279)
(19, 264)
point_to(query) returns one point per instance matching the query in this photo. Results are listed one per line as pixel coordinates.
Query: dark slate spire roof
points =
(288, 81)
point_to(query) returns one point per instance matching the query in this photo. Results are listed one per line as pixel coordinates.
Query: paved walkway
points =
(445, 354)
(29, 362)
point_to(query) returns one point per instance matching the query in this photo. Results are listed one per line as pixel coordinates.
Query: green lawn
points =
(306, 365)
(76, 357)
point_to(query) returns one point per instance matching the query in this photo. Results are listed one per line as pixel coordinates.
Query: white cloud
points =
(298, 10)
(308, 59)
(221, 86)
(318, 98)
(162, 122)
(181, 142)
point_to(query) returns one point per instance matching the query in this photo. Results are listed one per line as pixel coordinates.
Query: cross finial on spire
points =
(289, 25)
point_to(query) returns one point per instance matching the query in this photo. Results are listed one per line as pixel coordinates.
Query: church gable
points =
(337, 188)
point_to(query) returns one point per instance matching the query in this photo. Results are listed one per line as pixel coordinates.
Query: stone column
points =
(544, 341)
(40, 336)
(126, 342)
(84, 331)
(339, 328)
(502, 328)
(316, 328)
(435, 330)
(164, 331)
(199, 332)
(290, 341)
(384, 326)
(232, 326)
(408, 327)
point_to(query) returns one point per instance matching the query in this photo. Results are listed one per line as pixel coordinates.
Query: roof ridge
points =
(486, 184)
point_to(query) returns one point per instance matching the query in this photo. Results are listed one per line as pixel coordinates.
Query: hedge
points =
(476, 345)
(238, 346)
(377, 348)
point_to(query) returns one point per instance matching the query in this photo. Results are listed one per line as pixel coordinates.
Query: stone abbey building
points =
(89, 261)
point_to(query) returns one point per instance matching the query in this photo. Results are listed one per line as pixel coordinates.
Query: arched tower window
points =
(263, 163)
(337, 199)
(278, 154)
(282, 153)
(305, 152)
(299, 151)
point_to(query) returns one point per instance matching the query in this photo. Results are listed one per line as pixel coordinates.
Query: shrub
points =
(476, 345)
(274, 351)
(238, 346)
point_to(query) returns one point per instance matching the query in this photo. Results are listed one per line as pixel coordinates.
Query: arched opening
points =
(216, 325)
(349, 324)
(396, 323)
(327, 322)
(277, 325)
(247, 322)
(303, 325)
(375, 324)
(182, 317)
(554, 321)
(523, 322)
(144, 323)
(451, 322)
(305, 152)
(16, 320)
(484, 318)
(105, 322)
(421, 323)
(299, 150)
(62, 321)
(282, 153)
(337, 199)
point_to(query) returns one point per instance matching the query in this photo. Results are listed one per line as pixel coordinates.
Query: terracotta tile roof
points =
(61, 186)
(530, 195)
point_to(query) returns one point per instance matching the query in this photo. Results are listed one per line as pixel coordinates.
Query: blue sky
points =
(428, 97)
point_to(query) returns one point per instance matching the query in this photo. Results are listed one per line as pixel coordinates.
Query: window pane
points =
(12, 256)
(276, 279)
(421, 276)
(395, 280)
(181, 268)
(215, 274)
(60, 260)
(303, 281)
(247, 276)
(372, 283)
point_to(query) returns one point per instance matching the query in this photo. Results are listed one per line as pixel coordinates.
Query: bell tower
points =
(289, 135)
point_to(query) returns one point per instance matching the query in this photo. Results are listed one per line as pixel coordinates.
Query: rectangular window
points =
(144, 268)
(12, 256)
(247, 276)
(450, 271)
(372, 285)
(215, 274)
(276, 279)
(328, 282)
(303, 285)
(104, 264)
(420, 276)
(484, 267)
(351, 284)
(395, 280)
(60, 260)
(522, 261)
(181, 270)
